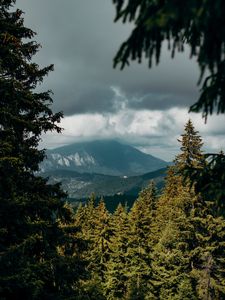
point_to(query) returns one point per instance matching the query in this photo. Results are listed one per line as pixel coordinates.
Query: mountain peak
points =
(101, 156)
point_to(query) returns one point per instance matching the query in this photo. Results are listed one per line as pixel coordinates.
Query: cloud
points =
(81, 39)
(146, 108)
(155, 132)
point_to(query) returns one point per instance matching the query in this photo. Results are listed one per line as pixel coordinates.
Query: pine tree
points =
(207, 255)
(209, 181)
(141, 218)
(170, 257)
(191, 154)
(194, 236)
(187, 260)
(117, 273)
(173, 230)
(96, 230)
(31, 210)
(173, 235)
(100, 252)
(200, 24)
(86, 218)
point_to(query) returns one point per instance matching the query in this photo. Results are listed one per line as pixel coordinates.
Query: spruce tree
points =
(141, 218)
(87, 218)
(173, 231)
(207, 255)
(117, 273)
(191, 153)
(170, 257)
(200, 24)
(209, 181)
(95, 223)
(204, 172)
(31, 210)
(188, 259)
(100, 252)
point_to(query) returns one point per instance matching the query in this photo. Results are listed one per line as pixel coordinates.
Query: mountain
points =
(103, 157)
(82, 185)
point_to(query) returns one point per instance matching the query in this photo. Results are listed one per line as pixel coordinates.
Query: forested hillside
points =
(82, 185)
(168, 246)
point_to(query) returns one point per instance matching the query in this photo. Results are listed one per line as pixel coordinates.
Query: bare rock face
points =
(107, 157)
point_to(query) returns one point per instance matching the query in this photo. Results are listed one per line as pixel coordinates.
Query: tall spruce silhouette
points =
(187, 259)
(201, 26)
(35, 249)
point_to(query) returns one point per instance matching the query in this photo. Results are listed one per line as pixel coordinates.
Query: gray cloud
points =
(154, 132)
(81, 39)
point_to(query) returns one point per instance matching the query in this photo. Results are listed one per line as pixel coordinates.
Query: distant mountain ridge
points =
(107, 157)
(82, 185)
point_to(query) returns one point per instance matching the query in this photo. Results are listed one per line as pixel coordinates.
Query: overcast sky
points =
(145, 108)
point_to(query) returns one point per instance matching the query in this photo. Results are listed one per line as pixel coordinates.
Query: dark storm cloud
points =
(91, 101)
(80, 38)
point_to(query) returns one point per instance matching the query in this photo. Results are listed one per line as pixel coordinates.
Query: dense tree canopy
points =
(169, 246)
(197, 23)
(37, 244)
(200, 24)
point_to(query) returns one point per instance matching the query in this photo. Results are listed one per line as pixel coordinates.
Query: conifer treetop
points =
(191, 148)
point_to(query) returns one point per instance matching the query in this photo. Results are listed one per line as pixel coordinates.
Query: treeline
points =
(168, 246)
(111, 202)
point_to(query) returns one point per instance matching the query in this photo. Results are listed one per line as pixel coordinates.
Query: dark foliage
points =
(33, 217)
(197, 23)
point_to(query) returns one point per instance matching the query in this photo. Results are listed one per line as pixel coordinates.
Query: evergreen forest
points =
(169, 245)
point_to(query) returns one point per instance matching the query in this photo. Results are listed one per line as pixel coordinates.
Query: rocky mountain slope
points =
(107, 157)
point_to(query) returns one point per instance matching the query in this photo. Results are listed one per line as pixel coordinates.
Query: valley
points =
(105, 168)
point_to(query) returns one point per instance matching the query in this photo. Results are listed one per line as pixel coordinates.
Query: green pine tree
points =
(102, 232)
(96, 230)
(173, 230)
(209, 181)
(117, 273)
(191, 153)
(141, 219)
(31, 210)
(207, 255)
(188, 259)
(200, 24)
(86, 218)
(173, 235)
